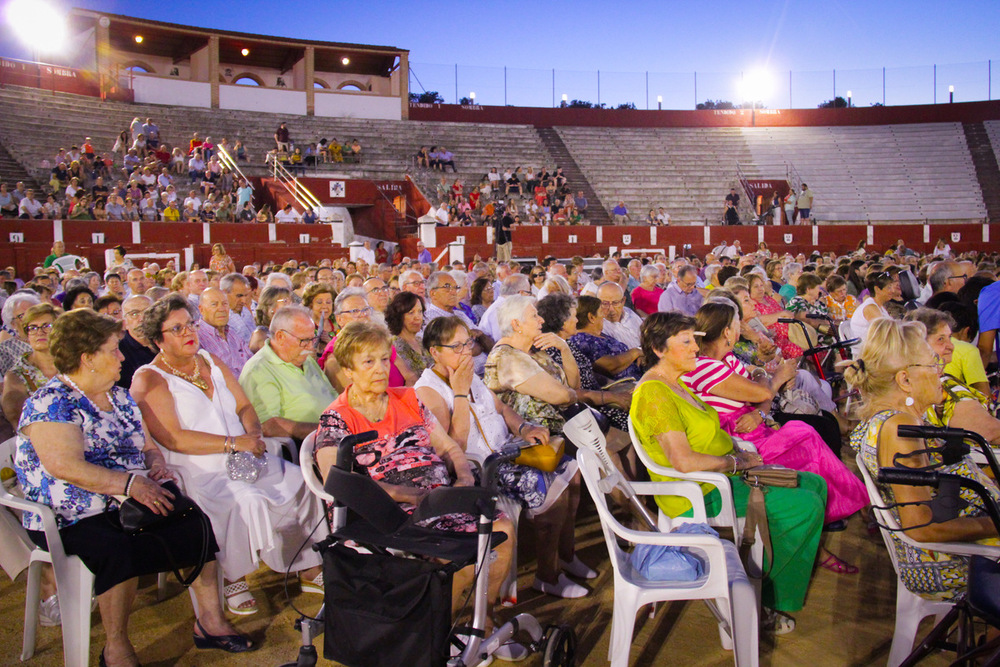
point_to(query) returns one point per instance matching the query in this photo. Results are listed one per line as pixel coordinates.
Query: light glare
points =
(39, 25)
(757, 85)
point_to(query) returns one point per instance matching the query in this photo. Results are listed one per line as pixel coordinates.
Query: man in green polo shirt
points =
(288, 389)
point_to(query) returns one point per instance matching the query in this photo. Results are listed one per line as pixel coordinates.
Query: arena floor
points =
(848, 620)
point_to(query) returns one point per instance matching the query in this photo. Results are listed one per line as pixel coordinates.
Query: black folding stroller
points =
(388, 579)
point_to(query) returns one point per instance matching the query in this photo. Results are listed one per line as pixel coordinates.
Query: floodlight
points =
(756, 85)
(472, 96)
(38, 24)
(138, 39)
(245, 52)
(565, 97)
(345, 60)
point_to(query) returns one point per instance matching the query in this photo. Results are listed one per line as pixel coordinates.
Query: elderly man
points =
(30, 208)
(377, 293)
(513, 286)
(619, 322)
(682, 294)
(196, 283)
(442, 288)
(945, 278)
(136, 281)
(366, 253)
(283, 381)
(237, 291)
(16, 346)
(423, 254)
(634, 268)
(215, 334)
(135, 348)
(413, 281)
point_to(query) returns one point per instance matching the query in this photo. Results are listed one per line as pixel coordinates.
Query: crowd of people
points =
(115, 382)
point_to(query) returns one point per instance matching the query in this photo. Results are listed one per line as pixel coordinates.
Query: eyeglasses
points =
(938, 365)
(379, 290)
(34, 328)
(964, 278)
(612, 304)
(459, 347)
(308, 341)
(537, 275)
(447, 288)
(525, 292)
(180, 329)
(357, 312)
(414, 282)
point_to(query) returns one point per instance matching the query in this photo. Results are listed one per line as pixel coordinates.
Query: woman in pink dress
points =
(769, 311)
(646, 297)
(723, 382)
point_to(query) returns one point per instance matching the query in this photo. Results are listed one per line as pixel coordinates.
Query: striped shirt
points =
(710, 372)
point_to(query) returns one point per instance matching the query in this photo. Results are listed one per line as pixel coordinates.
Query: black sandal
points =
(229, 643)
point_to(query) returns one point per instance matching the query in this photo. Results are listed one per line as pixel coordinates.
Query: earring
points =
(909, 401)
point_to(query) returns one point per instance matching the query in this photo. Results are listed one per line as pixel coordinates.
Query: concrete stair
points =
(597, 212)
(11, 171)
(987, 170)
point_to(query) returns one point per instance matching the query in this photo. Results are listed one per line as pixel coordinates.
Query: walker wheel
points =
(560, 646)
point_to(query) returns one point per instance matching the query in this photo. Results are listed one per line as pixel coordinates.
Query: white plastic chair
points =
(725, 586)
(274, 445)
(910, 607)
(73, 580)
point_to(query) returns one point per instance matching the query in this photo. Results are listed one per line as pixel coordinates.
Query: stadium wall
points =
(544, 117)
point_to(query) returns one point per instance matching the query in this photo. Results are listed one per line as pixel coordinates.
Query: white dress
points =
(860, 325)
(267, 520)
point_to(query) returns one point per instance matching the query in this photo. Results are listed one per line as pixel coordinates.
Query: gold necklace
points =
(196, 379)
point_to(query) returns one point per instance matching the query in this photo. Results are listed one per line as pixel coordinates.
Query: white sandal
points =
(312, 585)
(238, 593)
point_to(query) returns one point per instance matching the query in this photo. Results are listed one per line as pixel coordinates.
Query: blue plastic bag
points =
(658, 562)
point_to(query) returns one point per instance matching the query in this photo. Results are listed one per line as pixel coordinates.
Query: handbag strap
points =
(756, 519)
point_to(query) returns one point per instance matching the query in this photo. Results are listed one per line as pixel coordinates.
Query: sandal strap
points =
(236, 588)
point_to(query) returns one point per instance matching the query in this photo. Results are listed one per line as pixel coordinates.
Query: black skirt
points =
(115, 556)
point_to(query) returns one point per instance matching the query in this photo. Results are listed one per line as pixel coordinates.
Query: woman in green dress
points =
(681, 432)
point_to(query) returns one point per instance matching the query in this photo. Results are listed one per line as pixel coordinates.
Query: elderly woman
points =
(608, 356)
(961, 406)
(221, 262)
(520, 370)
(318, 298)
(721, 381)
(81, 441)
(559, 313)
(200, 417)
(839, 301)
(479, 422)
(271, 299)
(404, 316)
(897, 375)
(883, 287)
(790, 277)
(807, 306)
(680, 431)
(35, 367)
(646, 297)
(481, 296)
(78, 297)
(768, 314)
(351, 305)
(13, 339)
(412, 453)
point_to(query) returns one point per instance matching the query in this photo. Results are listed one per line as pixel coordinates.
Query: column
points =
(404, 84)
(310, 83)
(213, 68)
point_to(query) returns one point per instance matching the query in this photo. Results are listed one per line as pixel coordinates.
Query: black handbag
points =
(137, 519)
(386, 610)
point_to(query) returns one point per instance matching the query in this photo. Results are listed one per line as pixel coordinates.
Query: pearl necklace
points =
(196, 379)
(114, 408)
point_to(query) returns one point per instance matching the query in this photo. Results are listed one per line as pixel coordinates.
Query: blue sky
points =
(671, 40)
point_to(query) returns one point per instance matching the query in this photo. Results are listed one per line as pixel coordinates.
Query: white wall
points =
(357, 105)
(255, 98)
(172, 91)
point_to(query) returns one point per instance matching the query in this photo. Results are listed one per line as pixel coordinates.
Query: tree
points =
(583, 104)
(466, 101)
(427, 97)
(626, 105)
(715, 104)
(836, 103)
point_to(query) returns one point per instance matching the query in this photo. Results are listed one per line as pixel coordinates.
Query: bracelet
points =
(128, 483)
(735, 461)
(229, 446)
(465, 396)
(521, 427)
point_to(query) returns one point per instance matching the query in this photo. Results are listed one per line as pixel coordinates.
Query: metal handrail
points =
(228, 161)
(300, 193)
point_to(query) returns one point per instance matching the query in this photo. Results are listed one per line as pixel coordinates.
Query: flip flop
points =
(838, 565)
(237, 594)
